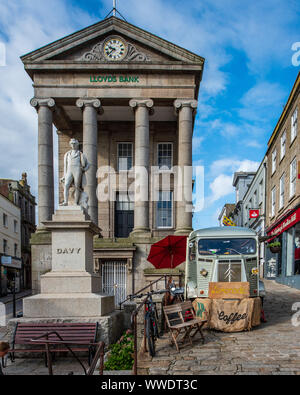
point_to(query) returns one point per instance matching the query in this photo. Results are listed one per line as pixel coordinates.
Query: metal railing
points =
(99, 354)
(130, 297)
(168, 280)
(135, 341)
(134, 317)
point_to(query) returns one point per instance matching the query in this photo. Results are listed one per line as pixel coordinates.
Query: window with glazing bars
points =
(274, 157)
(282, 145)
(124, 156)
(125, 201)
(293, 176)
(281, 187)
(294, 121)
(164, 210)
(273, 201)
(165, 151)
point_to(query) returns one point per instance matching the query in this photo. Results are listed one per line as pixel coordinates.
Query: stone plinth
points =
(70, 289)
(71, 305)
(72, 240)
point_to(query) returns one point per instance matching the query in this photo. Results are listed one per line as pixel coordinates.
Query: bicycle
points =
(151, 315)
(150, 318)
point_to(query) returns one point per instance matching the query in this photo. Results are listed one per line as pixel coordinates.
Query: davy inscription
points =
(68, 251)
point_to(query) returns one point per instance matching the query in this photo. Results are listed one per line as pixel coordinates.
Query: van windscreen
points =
(227, 246)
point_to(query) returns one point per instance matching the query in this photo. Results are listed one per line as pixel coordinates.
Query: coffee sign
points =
(234, 290)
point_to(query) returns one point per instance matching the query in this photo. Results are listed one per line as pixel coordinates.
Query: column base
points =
(183, 231)
(141, 232)
(41, 228)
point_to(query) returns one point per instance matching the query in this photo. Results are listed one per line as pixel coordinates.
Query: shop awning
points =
(11, 262)
(285, 224)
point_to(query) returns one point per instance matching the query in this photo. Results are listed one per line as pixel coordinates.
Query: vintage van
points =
(221, 254)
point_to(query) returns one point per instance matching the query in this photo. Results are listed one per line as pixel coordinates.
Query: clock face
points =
(114, 49)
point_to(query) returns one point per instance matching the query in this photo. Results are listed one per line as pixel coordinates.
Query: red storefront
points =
(287, 232)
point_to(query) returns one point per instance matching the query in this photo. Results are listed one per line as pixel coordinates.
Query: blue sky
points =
(248, 76)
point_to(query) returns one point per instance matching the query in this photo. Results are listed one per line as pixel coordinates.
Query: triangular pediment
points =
(88, 46)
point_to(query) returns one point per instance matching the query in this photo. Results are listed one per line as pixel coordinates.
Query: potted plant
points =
(275, 247)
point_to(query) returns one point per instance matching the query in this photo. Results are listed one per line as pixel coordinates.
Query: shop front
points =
(11, 273)
(287, 259)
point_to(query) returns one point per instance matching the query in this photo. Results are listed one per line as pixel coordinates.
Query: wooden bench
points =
(180, 318)
(79, 335)
(4, 348)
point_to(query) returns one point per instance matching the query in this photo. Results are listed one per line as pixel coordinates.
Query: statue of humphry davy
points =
(75, 165)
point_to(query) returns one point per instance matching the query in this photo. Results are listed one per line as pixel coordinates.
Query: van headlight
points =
(191, 289)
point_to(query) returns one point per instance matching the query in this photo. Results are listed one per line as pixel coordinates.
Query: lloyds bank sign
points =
(111, 79)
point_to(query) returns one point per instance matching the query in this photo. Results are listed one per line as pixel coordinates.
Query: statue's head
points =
(74, 144)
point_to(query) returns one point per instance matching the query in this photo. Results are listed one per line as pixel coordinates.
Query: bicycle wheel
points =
(150, 336)
(155, 326)
(154, 317)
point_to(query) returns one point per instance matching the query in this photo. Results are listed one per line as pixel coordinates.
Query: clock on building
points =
(114, 49)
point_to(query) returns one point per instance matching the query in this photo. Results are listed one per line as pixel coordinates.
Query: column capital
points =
(37, 103)
(181, 103)
(147, 103)
(83, 102)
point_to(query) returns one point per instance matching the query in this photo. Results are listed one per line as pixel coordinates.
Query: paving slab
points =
(271, 348)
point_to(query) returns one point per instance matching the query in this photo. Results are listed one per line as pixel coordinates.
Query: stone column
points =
(44, 109)
(90, 109)
(142, 108)
(186, 110)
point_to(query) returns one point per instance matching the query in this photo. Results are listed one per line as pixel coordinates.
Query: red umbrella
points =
(168, 253)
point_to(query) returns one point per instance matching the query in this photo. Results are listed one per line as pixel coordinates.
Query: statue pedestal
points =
(70, 289)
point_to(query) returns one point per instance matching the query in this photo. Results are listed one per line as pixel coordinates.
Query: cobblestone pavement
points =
(271, 348)
(61, 367)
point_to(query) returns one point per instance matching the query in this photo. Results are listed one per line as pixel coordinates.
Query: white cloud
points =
(26, 26)
(227, 165)
(262, 31)
(253, 144)
(248, 165)
(222, 172)
(262, 100)
(220, 187)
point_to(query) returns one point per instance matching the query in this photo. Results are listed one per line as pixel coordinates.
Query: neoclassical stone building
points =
(130, 99)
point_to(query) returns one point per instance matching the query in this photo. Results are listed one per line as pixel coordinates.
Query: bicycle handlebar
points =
(148, 294)
(176, 291)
